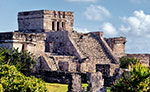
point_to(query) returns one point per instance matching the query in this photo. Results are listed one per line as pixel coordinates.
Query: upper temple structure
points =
(45, 21)
(50, 36)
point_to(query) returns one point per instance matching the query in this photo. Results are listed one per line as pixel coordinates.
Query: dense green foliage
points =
(1, 88)
(11, 80)
(137, 80)
(126, 61)
(22, 60)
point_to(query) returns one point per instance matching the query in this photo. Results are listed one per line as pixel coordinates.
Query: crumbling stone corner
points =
(75, 84)
(95, 82)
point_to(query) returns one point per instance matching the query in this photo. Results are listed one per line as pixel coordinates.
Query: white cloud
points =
(82, 30)
(138, 24)
(136, 28)
(82, 0)
(97, 13)
(109, 30)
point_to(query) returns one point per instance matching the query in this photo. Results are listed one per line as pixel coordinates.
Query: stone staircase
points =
(87, 46)
(50, 62)
(74, 38)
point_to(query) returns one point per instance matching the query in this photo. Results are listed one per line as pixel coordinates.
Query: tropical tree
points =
(126, 61)
(137, 80)
(22, 60)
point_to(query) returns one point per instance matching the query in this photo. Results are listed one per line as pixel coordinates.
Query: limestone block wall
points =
(90, 50)
(60, 19)
(18, 46)
(144, 58)
(33, 42)
(37, 49)
(68, 60)
(57, 63)
(117, 45)
(45, 21)
(30, 21)
(59, 43)
(85, 47)
(95, 82)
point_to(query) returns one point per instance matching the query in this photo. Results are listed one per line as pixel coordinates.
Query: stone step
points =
(50, 62)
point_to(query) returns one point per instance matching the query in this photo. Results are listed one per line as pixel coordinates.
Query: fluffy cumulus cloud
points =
(83, 30)
(136, 28)
(136, 25)
(82, 0)
(109, 30)
(96, 13)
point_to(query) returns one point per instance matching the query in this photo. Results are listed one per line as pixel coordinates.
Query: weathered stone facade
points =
(49, 35)
(144, 58)
(95, 82)
(75, 84)
(45, 21)
(24, 41)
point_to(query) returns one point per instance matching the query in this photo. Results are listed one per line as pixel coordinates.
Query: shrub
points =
(137, 80)
(14, 81)
(22, 60)
(1, 88)
(126, 61)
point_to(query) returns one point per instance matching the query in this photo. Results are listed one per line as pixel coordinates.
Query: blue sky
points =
(129, 18)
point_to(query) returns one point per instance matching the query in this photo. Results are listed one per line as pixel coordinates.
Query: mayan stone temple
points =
(63, 55)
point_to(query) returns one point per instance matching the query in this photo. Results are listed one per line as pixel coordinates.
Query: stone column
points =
(95, 82)
(75, 84)
(55, 25)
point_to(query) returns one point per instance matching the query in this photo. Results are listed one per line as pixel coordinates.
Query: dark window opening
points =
(63, 66)
(63, 14)
(104, 69)
(54, 14)
(59, 15)
(57, 26)
(24, 47)
(53, 25)
(63, 25)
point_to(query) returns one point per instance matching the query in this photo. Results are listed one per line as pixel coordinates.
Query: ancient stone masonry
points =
(144, 58)
(24, 41)
(45, 21)
(59, 49)
(95, 82)
(117, 45)
(75, 84)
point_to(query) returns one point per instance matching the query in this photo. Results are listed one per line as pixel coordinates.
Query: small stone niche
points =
(104, 69)
(63, 66)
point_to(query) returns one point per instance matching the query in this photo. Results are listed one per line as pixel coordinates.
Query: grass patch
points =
(56, 87)
(108, 89)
